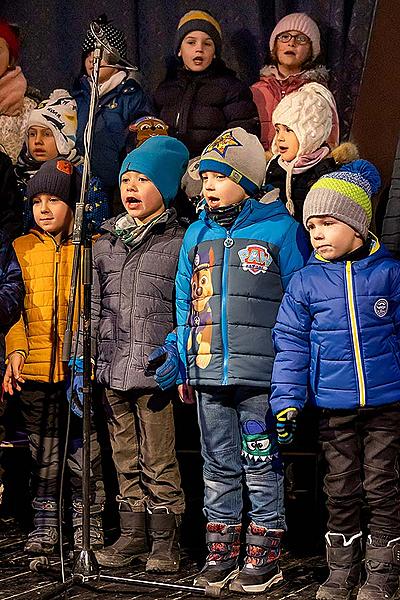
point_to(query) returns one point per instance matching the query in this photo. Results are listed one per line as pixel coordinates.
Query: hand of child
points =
(186, 394)
(74, 387)
(163, 365)
(286, 425)
(13, 375)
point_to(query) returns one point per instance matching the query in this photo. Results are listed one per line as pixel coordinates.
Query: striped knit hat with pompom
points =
(345, 195)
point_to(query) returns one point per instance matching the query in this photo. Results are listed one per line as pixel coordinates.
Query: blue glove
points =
(286, 425)
(74, 387)
(163, 363)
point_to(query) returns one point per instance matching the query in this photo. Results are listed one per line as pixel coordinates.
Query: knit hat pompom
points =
(57, 177)
(309, 113)
(345, 195)
(9, 34)
(115, 37)
(298, 22)
(59, 114)
(238, 155)
(199, 20)
(163, 160)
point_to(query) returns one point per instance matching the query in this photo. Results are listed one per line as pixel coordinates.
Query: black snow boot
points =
(96, 525)
(44, 538)
(382, 564)
(164, 532)
(223, 542)
(132, 544)
(261, 566)
(344, 555)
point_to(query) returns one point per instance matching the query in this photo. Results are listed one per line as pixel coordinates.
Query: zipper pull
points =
(228, 241)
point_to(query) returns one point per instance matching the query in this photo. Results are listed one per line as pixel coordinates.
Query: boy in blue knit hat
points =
(338, 334)
(135, 263)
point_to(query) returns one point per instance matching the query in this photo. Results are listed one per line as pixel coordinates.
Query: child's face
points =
(220, 191)
(41, 143)
(4, 56)
(140, 197)
(332, 238)
(287, 142)
(291, 55)
(197, 51)
(105, 71)
(52, 215)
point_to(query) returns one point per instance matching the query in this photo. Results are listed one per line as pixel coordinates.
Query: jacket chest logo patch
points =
(255, 259)
(381, 307)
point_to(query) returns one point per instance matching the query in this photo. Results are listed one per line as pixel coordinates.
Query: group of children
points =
(234, 312)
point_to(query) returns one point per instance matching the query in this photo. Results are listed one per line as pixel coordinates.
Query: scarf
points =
(12, 91)
(133, 233)
(226, 215)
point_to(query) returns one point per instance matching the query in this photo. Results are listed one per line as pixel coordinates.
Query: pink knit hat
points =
(298, 22)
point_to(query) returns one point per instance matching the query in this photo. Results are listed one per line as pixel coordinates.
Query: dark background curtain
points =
(53, 32)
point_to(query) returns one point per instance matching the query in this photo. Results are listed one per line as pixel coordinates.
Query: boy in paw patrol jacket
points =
(234, 265)
(337, 338)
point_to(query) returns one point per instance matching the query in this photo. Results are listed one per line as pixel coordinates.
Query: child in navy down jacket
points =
(337, 337)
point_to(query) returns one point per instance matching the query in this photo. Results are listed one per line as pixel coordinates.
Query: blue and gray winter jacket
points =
(338, 334)
(228, 289)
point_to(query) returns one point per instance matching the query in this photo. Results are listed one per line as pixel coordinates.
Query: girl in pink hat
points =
(295, 47)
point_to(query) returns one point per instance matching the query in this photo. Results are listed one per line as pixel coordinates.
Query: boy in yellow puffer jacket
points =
(34, 348)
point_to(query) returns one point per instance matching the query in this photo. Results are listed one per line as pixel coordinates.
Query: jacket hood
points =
(318, 74)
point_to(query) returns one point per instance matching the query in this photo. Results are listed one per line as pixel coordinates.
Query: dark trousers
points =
(45, 410)
(362, 451)
(142, 434)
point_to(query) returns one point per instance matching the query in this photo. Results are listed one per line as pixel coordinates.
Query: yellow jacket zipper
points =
(55, 314)
(354, 333)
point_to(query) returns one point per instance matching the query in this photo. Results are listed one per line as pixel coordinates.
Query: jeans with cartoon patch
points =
(239, 446)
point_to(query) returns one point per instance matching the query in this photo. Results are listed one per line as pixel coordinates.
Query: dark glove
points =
(75, 387)
(286, 425)
(163, 363)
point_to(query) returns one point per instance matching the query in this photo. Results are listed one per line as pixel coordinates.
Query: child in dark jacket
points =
(121, 101)
(135, 264)
(234, 264)
(201, 97)
(338, 334)
(302, 122)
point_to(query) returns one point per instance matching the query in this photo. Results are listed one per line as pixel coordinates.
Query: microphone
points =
(111, 55)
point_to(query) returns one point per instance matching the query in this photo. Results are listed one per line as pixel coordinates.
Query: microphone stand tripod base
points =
(86, 566)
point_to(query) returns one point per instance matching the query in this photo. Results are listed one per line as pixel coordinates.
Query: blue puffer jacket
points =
(116, 110)
(228, 289)
(12, 290)
(338, 332)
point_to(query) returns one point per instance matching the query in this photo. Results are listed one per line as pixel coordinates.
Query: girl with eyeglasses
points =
(295, 52)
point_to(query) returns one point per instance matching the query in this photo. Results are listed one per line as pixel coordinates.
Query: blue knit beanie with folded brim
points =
(163, 160)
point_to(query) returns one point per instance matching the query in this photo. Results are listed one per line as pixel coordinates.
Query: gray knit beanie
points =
(345, 195)
(238, 155)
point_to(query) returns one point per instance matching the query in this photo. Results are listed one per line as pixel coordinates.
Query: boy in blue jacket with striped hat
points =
(337, 338)
(234, 265)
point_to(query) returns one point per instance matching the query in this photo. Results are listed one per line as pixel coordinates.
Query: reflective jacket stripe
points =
(354, 333)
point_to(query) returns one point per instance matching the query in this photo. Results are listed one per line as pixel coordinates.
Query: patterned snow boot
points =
(44, 538)
(344, 555)
(261, 566)
(382, 563)
(223, 542)
(96, 526)
(164, 531)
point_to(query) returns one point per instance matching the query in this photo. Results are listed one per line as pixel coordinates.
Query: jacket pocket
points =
(314, 366)
(396, 350)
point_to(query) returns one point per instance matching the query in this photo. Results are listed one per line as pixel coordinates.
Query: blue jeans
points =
(239, 442)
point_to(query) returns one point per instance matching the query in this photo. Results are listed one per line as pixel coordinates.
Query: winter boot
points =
(44, 538)
(261, 566)
(164, 530)
(383, 570)
(132, 544)
(96, 525)
(223, 543)
(344, 555)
